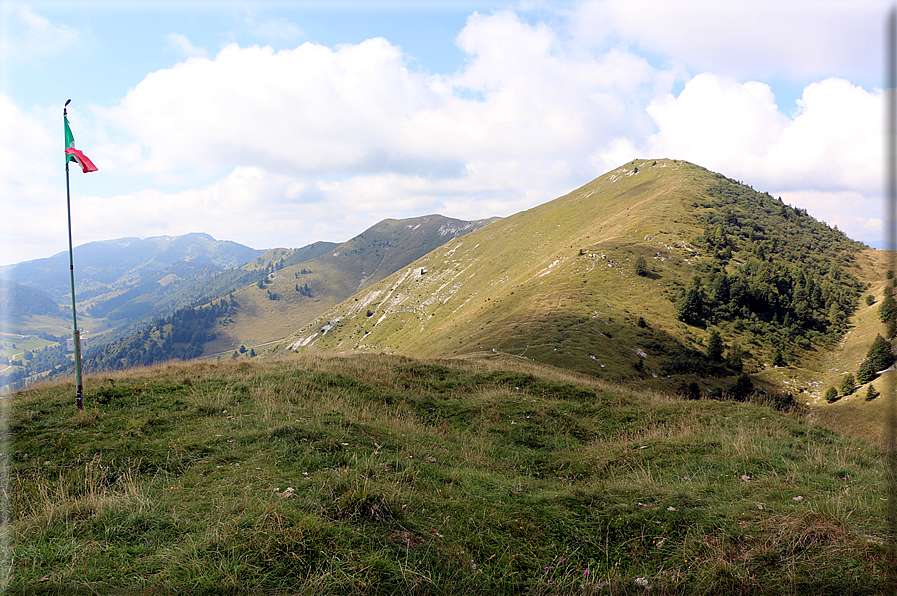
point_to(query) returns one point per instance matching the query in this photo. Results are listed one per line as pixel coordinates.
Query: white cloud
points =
(39, 37)
(827, 156)
(182, 44)
(757, 39)
(28, 174)
(276, 29)
(835, 140)
(277, 147)
(717, 122)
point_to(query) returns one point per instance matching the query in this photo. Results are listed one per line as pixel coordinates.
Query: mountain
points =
(659, 272)
(293, 293)
(112, 266)
(17, 300)
(279, 291)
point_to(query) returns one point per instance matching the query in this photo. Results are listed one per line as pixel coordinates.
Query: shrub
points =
(742, 387)
(641, 266)
(778, 358)
(831, 395)
(691, 390)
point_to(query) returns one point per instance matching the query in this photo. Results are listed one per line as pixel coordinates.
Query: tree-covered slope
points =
(17, 301)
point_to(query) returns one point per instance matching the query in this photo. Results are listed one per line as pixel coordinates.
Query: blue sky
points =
(284, 123)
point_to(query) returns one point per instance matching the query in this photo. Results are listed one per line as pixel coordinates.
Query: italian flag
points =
(72, 154)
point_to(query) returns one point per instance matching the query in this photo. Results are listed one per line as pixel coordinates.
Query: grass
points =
(378, 474)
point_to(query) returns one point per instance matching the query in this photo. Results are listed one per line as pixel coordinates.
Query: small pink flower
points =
(586, 572)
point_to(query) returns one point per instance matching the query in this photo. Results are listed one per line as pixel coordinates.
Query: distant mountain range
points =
(111, 266)
(125, 286)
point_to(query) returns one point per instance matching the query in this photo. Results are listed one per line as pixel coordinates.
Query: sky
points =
(279, 124)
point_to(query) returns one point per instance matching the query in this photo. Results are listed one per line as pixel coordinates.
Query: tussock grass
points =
(367, 474)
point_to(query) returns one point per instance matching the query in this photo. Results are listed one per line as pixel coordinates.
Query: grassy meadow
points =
(375, 474)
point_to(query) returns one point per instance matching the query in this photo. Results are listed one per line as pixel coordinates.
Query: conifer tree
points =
(715, 346)
(848, 385)
(871, 393)
(880, 355)
(887, 312)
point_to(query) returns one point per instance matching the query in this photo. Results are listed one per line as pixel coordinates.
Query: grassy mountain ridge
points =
(292, 293)
(375, 474)
(558, 283)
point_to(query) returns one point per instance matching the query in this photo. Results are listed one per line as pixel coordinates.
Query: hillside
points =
(21, 301)
(561, 284)
(383, 475)
(277, 292)
(115, 265)
(293, 292)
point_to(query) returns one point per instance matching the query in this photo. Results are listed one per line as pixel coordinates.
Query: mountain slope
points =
(17, 301)
(102, 267)
(292, 293)
(278, 291)
(558, 283)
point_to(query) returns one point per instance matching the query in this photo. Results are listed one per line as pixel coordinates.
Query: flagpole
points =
(79, 394)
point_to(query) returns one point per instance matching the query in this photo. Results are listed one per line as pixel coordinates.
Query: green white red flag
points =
(72, 154)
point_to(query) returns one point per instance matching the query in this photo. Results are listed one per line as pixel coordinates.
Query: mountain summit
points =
(656, 270)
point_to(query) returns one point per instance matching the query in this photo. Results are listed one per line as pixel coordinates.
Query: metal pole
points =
(891, 233)
(79, 394)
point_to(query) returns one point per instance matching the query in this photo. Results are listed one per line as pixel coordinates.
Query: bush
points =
(641, 266)
(778, 358)
(870, 300)
(691, 390)
(831, 395)
(742, 388)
